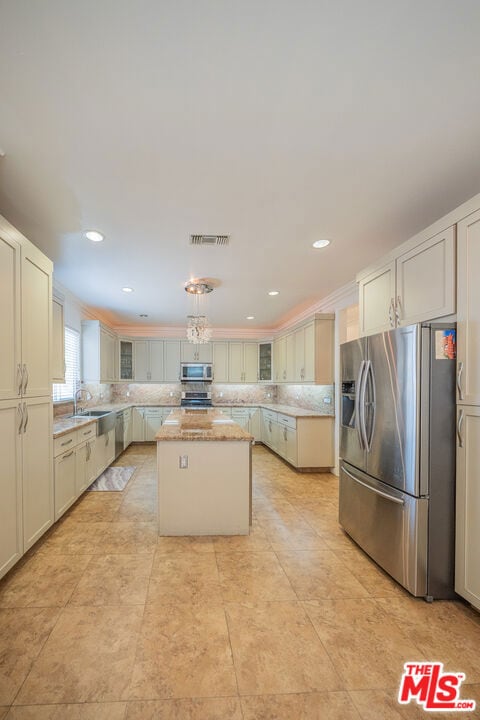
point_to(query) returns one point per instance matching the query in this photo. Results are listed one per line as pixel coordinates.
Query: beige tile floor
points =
(103, 620)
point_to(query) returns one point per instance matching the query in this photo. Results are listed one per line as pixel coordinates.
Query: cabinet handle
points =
(89, 452)
(20, 412)
(285, 434)
(107, 439)
(459, 428)
(284, 374)
(25, 410)
(19, 379)
(67, 442)
(459, 380)
(25, 381)
(87, 432)
(390, 313)
(270, 426)
(398, 307)
(64, 457)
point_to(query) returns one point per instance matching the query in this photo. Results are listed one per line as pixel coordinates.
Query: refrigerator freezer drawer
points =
(389, 525)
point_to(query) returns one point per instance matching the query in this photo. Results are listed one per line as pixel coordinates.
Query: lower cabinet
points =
(147, 421)
(138, 426)
(304, 442)
(127, 427)
(467, 567)
(153, 422)
(80, 457)
(11, 534)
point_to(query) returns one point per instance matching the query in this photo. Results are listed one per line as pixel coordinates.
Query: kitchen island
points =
(204, 474)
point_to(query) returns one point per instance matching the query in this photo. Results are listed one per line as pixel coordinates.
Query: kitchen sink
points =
(106, 419)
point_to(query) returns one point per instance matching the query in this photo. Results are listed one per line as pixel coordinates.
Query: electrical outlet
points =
(128, 393)
(221, 394)
(171, 394)
(183, 462)
(327, 400)
(269, 394)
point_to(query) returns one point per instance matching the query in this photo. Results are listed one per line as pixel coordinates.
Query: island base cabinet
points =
(212, 495)
(304, 442)
(467, 566)
(11, 540)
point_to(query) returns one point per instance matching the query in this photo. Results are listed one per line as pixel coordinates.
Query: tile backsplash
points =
(310, 397)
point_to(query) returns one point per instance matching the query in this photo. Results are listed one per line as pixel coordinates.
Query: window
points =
(66, 391)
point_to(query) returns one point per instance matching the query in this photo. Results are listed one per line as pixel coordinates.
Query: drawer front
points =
(65, 442)
(288, 421)
(269, 416)
(90, 431)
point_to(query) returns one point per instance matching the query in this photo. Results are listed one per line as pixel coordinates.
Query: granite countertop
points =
(186, 424)
(293, 411)
(64, 425)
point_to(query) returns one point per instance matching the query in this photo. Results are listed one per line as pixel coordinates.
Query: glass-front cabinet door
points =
(265, 362)
(126, 359)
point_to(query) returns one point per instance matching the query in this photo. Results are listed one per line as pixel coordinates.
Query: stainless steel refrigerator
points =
(397, 450)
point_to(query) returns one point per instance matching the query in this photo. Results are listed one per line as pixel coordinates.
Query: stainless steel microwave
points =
(196, 372)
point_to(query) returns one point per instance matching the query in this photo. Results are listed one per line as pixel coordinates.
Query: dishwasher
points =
(119, 432)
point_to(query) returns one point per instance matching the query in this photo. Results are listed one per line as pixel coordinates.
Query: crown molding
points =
(337, 300)
(179, 332)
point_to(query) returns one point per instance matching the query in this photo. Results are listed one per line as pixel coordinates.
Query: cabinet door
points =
(376, 296)
(250, 362)
(156, 360)
(279, 443)
(36, 322)
(241, 416)
(255, 425)
(204, 352)
(98, 456)
(126, 359)
(220, 362)
(11, 538)
(58, 343)
(189, 352)
(290, 357)
(467, 567)
(110, 447)
(138, 427)
(172, 360)
(426, 280)
(38, 493)
(299, 374)
(265, 362)
(235, 362)
(280, 359)
(127, 428)
(141, 360)
(81, 461)
(310, 353)
(107, 356)
(291, 446)
(267, 431)
(10, 377)
(65, 484)
(468, 310)
(153, 423)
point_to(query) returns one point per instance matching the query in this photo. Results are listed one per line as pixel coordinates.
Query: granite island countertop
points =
(198, 425)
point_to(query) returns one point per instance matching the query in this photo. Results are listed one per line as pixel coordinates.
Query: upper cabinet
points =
(468, 310)
(125, 351)
(220, 361)
(99, 350)
(265, 362)
(305, 355)
(242, 362)
(10, 359)
(58, 342)
(415, 286)
(149, 361)
(171, 360)
(197, 353)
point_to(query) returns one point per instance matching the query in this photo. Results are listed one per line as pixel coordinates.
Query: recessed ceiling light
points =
(127, 289)
(321, 243)
(94, 235)
(273, 292)
(250, 317)
(143, 315)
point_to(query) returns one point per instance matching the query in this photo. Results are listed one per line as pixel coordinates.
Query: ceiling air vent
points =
(209, 239)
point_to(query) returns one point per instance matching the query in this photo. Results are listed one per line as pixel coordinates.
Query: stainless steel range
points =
(196, 399)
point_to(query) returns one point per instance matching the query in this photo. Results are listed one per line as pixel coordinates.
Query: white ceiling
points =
(275, 122)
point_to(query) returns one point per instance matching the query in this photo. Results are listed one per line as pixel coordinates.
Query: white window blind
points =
(66, 391)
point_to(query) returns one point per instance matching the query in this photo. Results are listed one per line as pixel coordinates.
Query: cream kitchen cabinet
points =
(172, 360)
(125, 356)
(149, 360)
(11, 534)
(196, 353)
(85, 470)
(416, 285)
(138, 424)
(468, 310)
(127, 427)
(99, 353)
(265, 362)
(280, 359)
(305, 355)
(153, 422)
(58, 342)
(10, 356)
(305, 442)
(467, 566)
(220, 362)
(65, 481)
(242, 362)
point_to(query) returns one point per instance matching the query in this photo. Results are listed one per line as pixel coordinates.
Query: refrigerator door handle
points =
(368, 436)
(358, 404)
(385, 495)
(363, 388)
(459, 428)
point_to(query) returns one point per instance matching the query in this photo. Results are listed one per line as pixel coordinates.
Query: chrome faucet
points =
(87, 396)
